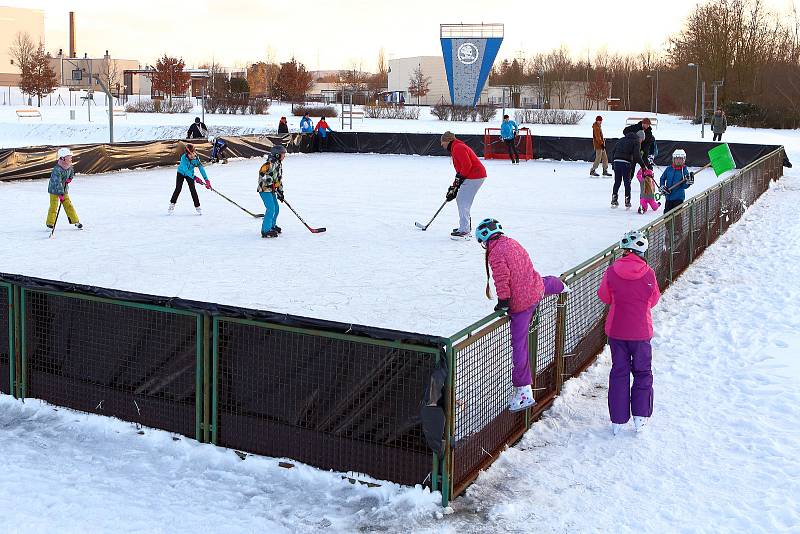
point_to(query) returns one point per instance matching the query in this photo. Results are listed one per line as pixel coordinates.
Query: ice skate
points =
(199, 211)
(627, 203)
(78, 225)
(640, 211)
(277, 229)
(171, 209)
(269, 233)
(522, 398)
(593, 173)
(606, 173)
(616, 428)
(639, 422)
(614, 201)
(456, 235)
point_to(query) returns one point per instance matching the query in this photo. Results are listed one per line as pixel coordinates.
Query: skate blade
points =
(460, 238)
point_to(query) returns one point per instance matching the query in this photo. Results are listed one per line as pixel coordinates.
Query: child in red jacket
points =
(519, 289)
(630, 286)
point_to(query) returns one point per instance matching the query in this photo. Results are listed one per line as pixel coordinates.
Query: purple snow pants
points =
(520, 324)
(630, 357)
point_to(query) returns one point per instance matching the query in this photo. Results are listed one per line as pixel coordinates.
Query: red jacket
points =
(465, 161)
(630, 286)
(515, 278)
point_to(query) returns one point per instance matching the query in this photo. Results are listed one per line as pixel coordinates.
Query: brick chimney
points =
(72, 34)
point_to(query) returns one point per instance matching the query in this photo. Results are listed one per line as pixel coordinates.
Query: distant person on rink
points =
(627, 153)
(599, 143)
(306, 126)
(719, 123)
(630, 287)
(283, 127)
(509, 131)
(189, 161)
(270, 189)
(470, 175)
(58, 187)
(219, 149)
(197, 130)
(323, 131)
(647, 146)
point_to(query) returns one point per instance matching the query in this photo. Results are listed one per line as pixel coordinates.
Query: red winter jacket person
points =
(470, 174)
(465, 161)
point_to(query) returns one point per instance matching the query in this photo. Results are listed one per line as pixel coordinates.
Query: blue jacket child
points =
(305, 125)
(673, 175)
(508, 129)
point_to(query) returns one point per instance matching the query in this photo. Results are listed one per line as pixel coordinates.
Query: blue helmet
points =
(486, 229)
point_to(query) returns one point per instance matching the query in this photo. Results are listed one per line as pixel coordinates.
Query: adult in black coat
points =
(627, 153)
(197, 130)
(648, 144)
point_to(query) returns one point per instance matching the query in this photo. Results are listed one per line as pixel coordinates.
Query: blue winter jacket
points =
(58, 180)
(219, 146)
(508, 129)
(672, 176)
(306, 126)
(186, 168)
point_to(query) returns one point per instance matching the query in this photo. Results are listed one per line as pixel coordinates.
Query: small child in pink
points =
(647, 191)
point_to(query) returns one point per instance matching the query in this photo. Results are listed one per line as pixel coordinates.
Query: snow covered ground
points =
(719, 455)
(371, 267)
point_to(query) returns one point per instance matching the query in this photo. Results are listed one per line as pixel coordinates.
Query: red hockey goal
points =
(495, 148)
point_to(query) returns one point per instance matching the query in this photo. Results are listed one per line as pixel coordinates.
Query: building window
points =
(77, 75)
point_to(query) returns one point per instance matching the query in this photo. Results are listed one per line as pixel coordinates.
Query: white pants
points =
(466, 194)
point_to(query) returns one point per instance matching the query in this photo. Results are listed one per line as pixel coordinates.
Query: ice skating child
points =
(647, 191)
(58, 187)
(189, 161)
(676, 176)
(630, 287)
(270, 188)
(519, 289)
(322, 131)
(218, 149)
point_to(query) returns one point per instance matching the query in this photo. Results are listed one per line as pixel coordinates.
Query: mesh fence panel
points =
(482, 422)
(338, 404)
(699, 226)
(714, 198)
(658, 253)
(680, 247)
(545, 374)
(5, 350)
(106, 358)
(585, 333)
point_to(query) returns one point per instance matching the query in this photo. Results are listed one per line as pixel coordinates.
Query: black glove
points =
(663, 190)
(452, 192)
(690, 179)
(279, 193)
(502, 304)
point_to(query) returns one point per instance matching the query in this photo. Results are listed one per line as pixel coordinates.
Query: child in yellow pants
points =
(60, 177)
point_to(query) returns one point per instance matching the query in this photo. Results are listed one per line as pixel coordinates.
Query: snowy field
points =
(371, 267)
(719, 455)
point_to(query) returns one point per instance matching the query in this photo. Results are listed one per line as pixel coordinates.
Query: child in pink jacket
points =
(519, 289)
(647, 191)
(629, 285)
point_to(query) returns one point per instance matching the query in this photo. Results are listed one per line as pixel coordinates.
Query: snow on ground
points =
(371, 267)
(719, 455)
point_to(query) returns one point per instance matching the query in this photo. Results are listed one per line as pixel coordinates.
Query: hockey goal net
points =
(495, 148)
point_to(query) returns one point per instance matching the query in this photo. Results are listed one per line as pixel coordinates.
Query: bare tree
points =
(418, 84)
(38, 78)
(22, 50)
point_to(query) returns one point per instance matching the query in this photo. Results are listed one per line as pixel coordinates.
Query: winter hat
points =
(448, 136)
(278, 149)
(64, 152)
(598, 119)
(197, 120)
(189, 148)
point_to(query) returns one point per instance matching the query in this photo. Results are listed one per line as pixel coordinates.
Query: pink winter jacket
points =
(629, 285)
(515, 278)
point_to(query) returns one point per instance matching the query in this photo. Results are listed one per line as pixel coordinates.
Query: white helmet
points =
(211, 139)
(64, 152)
(679, 153)
(634, 240)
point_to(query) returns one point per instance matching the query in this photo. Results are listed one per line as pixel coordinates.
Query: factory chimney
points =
(72, 34)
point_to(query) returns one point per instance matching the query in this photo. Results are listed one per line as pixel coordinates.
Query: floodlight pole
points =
(703, 113)
(110, 108)
(696, 83)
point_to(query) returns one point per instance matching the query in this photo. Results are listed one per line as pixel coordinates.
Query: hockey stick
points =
(425, 227)
(256, 215)
(312, 230)
(56, 220)
(683, 181)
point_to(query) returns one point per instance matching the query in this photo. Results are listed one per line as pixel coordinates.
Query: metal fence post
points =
(214, 378)
(533, 349)
(691, 232)
(13, 337)
(447, 464)
(671, 250)
(561, 327)
(207, 341)
(22, 375)
(707, 219)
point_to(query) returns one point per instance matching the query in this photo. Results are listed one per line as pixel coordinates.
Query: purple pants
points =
(520, 325)
(630, 357)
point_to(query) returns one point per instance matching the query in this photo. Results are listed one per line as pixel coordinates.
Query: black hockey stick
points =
(56, 219)
(256, 215)
(425, 227)
(312, 230)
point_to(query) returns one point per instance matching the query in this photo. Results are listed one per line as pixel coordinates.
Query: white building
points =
(402, 69)
(15, 20)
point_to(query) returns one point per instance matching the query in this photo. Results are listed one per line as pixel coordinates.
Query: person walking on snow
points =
(197, 130)
(509, 131)
(647, 191)
(322, 130)
(719, 123)
(627, 153)
(470, 175)
(189, 161)
(58, 187)
(270, 188)
(519, 290)
(630, 287)
(599, 143)
(675, 180)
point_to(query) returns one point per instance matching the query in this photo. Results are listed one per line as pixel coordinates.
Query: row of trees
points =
(37, 76)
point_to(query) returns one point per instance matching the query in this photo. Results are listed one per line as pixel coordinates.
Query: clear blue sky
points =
(334, 34)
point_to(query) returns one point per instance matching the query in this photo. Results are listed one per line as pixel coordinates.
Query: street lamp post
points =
(656, 91)
(696, 84)
(651, 92)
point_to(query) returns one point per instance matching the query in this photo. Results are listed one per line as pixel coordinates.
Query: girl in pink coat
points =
(630, 287)
(519, 289)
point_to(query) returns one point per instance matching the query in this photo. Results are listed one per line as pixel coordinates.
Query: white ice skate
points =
(170, 209)
(639, 422)
(522, 398)
(199, 211)
(616, 428)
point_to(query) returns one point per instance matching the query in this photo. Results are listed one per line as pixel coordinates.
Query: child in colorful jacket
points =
(519, 289)
(58, 187)
(270, 188)
(630, 287)
(189, 161)
(647, 191)
(675, 180)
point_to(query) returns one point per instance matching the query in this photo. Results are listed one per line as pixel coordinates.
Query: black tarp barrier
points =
(37, 162)
(332, 403)
(5, 350)
(135, 364)
(229, 311)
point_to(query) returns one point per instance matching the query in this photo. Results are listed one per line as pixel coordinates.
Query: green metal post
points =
(671, 246)
(214, 380)
(708, 221)
(691, 232)
(206, 376)
(435, 459)
(561, 327)
(533, 349)
(198, 371)
(23, 372)
(447, 465)
(13, 330)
